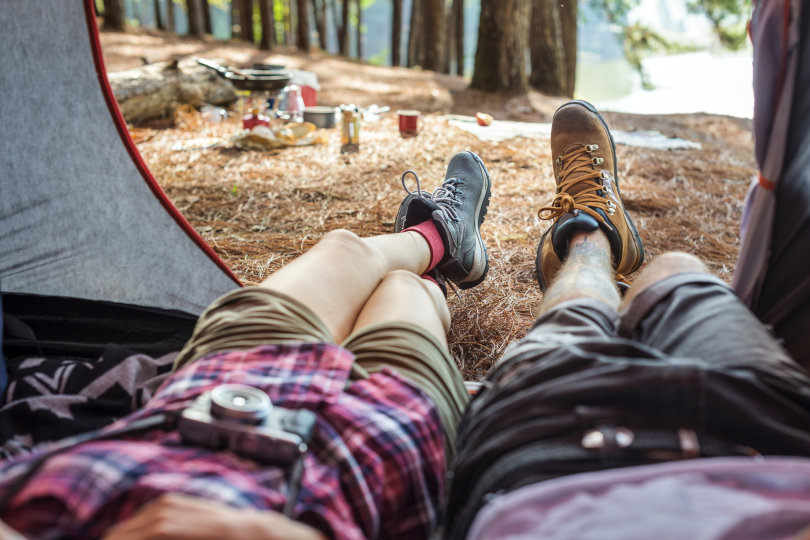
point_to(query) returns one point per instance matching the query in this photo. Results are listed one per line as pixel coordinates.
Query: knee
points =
(674, 262)
(346, 245)
(409, 280)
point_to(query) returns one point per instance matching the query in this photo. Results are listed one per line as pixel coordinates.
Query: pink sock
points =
(430, 233)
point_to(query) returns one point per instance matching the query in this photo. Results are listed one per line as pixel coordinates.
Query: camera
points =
(242, 419)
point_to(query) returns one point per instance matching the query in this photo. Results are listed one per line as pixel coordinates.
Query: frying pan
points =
(250, 79)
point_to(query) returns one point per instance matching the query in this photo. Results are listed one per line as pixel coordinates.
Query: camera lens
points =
(240, 403)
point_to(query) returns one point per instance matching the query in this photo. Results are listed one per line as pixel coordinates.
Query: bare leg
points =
(405, 297)
(662, 267)
(337, 276)
(586, 273)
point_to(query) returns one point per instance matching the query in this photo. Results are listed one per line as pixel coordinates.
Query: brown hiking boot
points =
(588, 195)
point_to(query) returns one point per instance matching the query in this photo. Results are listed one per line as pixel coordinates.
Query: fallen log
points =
(156, 90)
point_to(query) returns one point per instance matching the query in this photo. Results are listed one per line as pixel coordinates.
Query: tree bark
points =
(302, 34)
(343, 29)
(268, 25)
(434, 34)
(160, 21)
(206, 17)
(359, 30)
(171, 24)
(415, 34)
(155, 90)
(503, 35)
(114, 15)
(458, 30)
(553, 47)
(396, 33)
(246, 20)
(195, 21)
(568, 18)
(318, 13)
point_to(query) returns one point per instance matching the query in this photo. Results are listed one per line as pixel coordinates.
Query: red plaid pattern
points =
(375, 468)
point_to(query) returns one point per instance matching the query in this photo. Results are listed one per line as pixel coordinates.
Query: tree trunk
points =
(343, 29)
(206, 17)
(195, 21)
(458, 30)
(449, 39)
(171, 24)
(503, 36)
(568, 18)
(396, 33)
(359, 30)
(553, 49)
(415, 34)
(288, 23)
(113, 15)
(434, 20)
(268, 25)
(302, 35)
(325, 19)
(160, 21)
(246, 20)
(318, 13)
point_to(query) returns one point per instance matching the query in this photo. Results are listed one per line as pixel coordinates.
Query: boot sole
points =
(483, 206)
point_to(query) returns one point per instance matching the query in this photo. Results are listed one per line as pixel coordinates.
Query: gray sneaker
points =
(458, 209)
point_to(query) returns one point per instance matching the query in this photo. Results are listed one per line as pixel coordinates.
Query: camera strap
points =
(164, 421)
(158, 421)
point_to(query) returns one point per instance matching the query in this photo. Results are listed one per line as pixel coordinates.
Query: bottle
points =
(350, 129)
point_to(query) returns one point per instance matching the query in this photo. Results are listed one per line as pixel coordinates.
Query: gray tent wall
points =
(773, 273)
(80, 214)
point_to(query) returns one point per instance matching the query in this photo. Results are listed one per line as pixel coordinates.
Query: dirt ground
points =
(260, 209)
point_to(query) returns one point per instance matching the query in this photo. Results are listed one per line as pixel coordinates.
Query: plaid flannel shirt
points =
(375, 468)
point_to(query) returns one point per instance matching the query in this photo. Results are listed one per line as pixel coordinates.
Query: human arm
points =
(176, 516)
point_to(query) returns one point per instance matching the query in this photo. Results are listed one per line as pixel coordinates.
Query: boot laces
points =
(579, 168)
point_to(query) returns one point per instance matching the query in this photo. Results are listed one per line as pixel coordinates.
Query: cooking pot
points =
(322, 117)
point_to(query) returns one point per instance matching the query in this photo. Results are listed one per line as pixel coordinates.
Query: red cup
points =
(408, 123)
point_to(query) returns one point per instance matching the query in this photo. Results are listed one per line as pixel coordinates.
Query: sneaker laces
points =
(587, 199)
(445, 196)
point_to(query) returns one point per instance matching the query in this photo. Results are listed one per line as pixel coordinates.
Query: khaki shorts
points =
(254, 316)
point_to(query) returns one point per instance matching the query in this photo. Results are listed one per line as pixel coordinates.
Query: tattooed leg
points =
(586, 273)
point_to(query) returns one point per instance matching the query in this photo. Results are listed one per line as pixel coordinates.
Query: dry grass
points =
(259, 210)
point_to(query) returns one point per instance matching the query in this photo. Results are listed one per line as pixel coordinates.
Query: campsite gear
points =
(349, 129)
(322, 117)
(255, 118)
(772, 273)
(254, 80)
(408, 123)
(213, 115)
(588, 196)
(458, 208)
(289, 104)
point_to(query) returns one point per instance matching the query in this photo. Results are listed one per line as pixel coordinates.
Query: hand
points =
(175, 516)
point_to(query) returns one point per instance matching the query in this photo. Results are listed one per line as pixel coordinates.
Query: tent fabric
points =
(771, 275)
(775, 30)
(80, 214)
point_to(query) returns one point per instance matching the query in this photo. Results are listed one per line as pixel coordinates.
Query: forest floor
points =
(260, 209)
